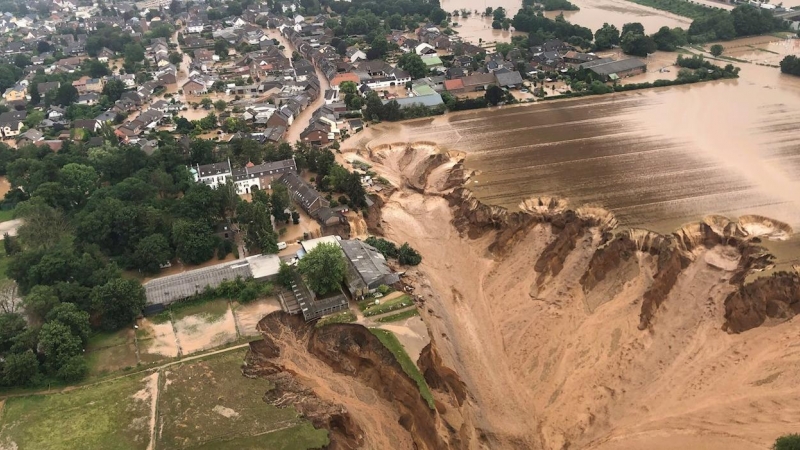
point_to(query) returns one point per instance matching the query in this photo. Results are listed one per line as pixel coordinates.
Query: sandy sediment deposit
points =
(553, 329)
(569, 333)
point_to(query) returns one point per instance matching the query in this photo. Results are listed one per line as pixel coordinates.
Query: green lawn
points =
(402, 315)
(110, 352)
(107, 416)
(389, 340)
(6, 215)
(391, 305)
(209, 404)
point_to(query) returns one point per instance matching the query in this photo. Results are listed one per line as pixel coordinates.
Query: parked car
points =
(281, 245)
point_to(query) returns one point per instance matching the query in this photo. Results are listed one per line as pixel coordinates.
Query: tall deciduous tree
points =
(119, 301)
(413, 64)
(194, 241)
(151, 252)
(323, 268)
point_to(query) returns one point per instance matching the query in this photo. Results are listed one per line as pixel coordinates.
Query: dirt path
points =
(154, 392)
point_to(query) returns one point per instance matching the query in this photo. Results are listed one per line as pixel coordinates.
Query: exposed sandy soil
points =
(550, 366)
(5, 186)
(196, 332)
(412, 333)
(363, 402)
(248, 315)
(150, 394)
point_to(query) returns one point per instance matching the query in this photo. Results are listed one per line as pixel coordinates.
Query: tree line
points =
(91, 213)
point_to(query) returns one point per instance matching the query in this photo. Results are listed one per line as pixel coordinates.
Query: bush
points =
(408, 256)
(388, 248)
(788, 442)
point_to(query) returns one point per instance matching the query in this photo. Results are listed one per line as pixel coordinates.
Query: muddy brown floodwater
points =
(657, 158)
(592, 14)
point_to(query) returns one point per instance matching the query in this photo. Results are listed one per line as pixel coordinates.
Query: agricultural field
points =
(209, 404)
(110, 352)
(204, 403)
(114, 415)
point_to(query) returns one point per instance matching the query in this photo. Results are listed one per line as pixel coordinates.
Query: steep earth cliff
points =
(567, 333)
(343, 378)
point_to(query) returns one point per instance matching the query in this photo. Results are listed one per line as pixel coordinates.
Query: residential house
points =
(454, 86)
(46, 87)
(105, 54)
(193, 87)
(89, 99)
(92, 125)
(16, 93)
(508, 79)
(30, 137)
(11, 123)
(354, 54)
(253, 177)
(214, 175)
(573, 57)
(478, 81)
(302, 193)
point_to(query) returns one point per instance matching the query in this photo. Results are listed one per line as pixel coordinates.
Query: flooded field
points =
(657, 158)
(592, 14)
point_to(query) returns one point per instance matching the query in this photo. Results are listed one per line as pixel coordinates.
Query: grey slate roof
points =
(607, 66)
(509, 78)
(172, 288)
(429, 100)
(369, 263)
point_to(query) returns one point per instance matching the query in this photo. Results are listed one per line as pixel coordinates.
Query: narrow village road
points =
(301, 121)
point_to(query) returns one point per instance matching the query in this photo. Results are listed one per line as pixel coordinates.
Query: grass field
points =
(202, 404)
(209, 404)
(389, 340)
(109, 352)
(209, 311)
(402, 315)
(394, 304)
(6, 215)
(298, 437)
(107, 416)
(342, 317)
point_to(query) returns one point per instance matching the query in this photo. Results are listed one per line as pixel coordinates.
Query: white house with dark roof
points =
(246, 179)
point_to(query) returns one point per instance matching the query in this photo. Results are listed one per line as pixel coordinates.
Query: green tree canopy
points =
(194, 241)
(323, 268)
(151, 252)
(787, 442)
(494, 95)
(119, 301)
(413, 64)
(606, 37)
(69, 315)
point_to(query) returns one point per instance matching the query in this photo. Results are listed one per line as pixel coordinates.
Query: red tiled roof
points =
(342, 77)
(452, 85)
